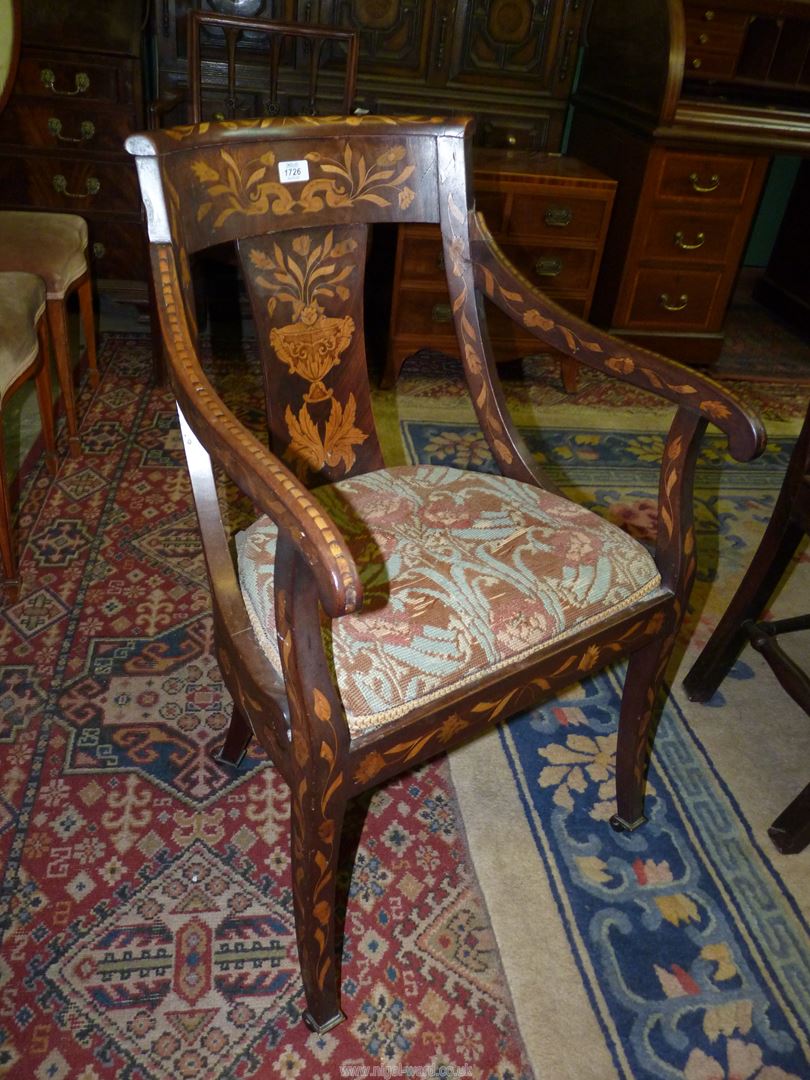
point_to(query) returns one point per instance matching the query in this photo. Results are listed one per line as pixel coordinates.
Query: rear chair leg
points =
(237, 740)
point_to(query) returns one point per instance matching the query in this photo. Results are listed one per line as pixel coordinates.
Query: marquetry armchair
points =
(378, 616)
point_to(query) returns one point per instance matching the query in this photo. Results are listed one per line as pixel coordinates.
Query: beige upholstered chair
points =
(23, 355)
(54, 247)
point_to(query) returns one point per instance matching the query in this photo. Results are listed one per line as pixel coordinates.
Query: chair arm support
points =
(259, 474)
(506, 287)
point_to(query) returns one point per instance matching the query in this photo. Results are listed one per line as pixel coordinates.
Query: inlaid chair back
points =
(297, 67)
(377, 616)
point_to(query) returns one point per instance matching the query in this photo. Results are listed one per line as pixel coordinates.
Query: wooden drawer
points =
(514, 132)
(715, 20)
(676, 300)
(421, 254)
(714, 178)
(118, 250)
(684, 236)
(424, 313)
(724, 36)
(73, 184)
(710, 65)
(557, 217)
(425, 320)
(74, 77)
(63, 126)
(555, 270)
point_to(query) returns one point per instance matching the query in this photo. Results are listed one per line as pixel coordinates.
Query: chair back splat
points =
(375, 616)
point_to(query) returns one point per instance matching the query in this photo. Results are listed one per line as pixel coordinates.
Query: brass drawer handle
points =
(558, 217)
(49, 79)
(708, 15)
(549, 266)
(92, 187)
(442, 313)
(703, 39)
(684, 245)
(713, 184)
(697, 63)
(678, 305)
(99, 251)
(87, 130)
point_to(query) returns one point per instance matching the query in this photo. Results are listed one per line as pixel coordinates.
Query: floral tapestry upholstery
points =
(463, 572)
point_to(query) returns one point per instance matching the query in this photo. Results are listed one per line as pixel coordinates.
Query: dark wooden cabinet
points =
(508, 62)
(89, 71)
(77, 95)
(685, 105)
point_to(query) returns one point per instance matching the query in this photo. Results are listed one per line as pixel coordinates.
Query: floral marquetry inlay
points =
(312, 344)
(253, 187)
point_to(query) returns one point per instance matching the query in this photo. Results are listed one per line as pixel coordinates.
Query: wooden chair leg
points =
(61, 345)
(45, 398)
(237, 740)
(85, 293)
(645, 672)
(790, 832)
(11, 581)
(771, 560)
(315, 856)
(569, 369)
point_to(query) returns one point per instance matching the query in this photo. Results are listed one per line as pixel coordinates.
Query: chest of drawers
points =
(681, 225)
(550, 215)
(77, 95)
(686, 105)
(692, 222)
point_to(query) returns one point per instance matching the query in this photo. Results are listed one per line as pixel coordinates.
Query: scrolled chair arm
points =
(506, 287)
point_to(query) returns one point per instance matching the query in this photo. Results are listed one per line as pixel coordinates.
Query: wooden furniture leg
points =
(61, 346)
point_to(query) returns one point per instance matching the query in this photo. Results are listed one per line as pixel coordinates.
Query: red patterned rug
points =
(147, 913)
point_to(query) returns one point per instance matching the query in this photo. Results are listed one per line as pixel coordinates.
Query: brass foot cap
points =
(321, 1029)
(620, 825)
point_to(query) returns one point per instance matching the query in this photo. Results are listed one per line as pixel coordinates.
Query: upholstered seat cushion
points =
(463, 573)
(22, 304)
(53, 246)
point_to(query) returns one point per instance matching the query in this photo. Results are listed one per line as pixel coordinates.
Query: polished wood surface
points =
(322, 221)
(685, 89)
(78, 93)
(512, 65)
(550, 214)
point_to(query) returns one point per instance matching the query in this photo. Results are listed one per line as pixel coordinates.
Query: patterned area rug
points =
(495, 926)
(147, 912)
